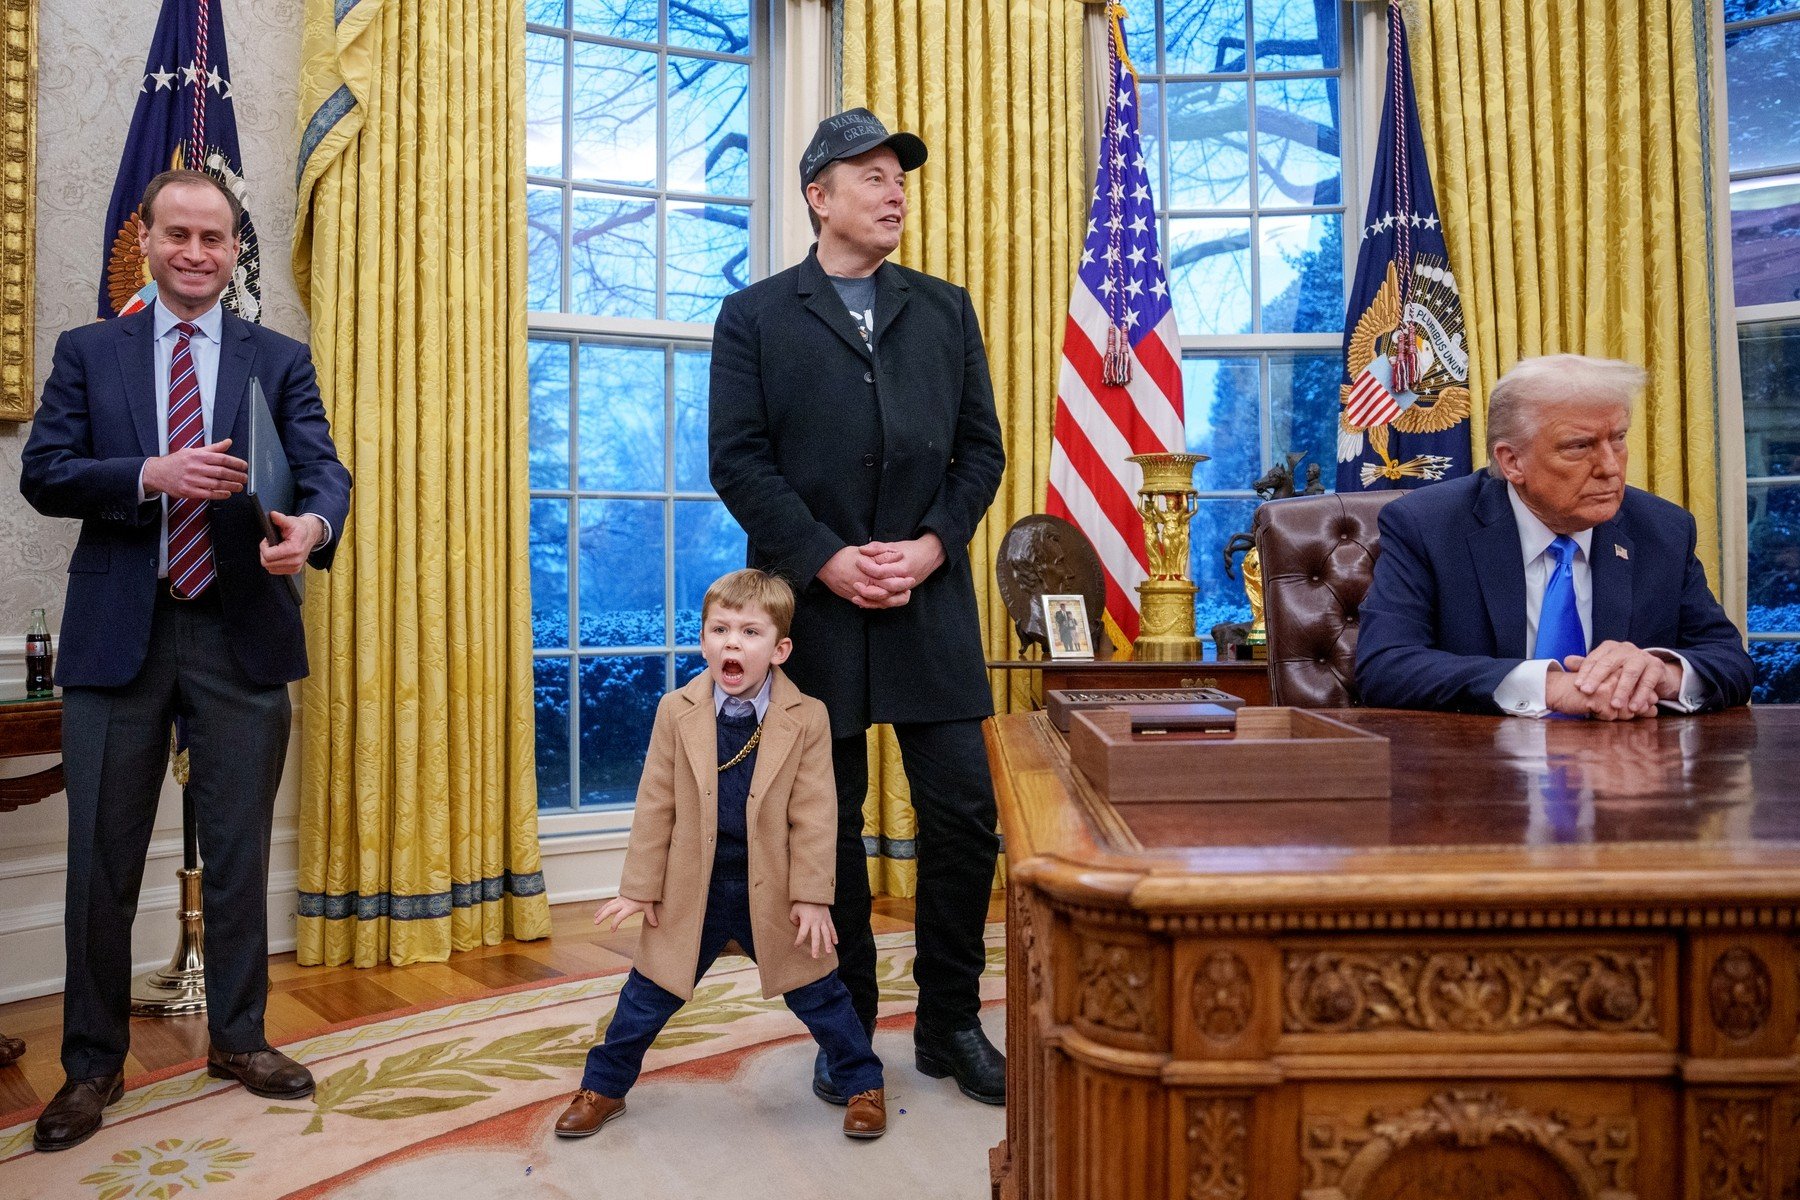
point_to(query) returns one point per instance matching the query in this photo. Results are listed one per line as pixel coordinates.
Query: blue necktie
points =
(1559, 622)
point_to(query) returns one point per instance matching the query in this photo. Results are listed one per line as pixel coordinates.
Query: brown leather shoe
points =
(11, 1050)
(866, 1115)
(586, 1113)
(266, 1072)
(73, 1114)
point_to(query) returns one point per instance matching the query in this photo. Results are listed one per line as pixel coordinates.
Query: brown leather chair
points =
(1318, 559)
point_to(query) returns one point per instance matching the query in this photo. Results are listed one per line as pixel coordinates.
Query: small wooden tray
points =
(1276, 754)
(1061, 702)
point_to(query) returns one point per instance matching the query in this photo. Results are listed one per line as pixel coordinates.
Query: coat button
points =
(868, 460)
(868, 377)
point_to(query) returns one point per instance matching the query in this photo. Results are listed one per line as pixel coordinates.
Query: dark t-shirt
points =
(858, 296)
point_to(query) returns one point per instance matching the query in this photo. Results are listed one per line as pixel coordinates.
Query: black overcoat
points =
(818, 443)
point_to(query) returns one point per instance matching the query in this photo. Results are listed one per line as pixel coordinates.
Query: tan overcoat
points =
(792, 822)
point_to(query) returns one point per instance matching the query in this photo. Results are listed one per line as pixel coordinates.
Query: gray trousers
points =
(115, 756)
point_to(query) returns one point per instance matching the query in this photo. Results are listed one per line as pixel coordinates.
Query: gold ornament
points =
(1166, 599)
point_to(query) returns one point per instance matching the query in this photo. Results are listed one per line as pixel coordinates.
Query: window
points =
(645, 125)
(1762, 67)
(1243, 129)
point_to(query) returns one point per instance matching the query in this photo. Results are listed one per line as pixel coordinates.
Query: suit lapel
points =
(780, 731)
(1499, 570)
(891, 293)
(699, 728)
(236, 353)
(136, 342)
(1611, 575)
(823, 299)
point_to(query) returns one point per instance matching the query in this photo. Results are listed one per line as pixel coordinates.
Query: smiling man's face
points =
(861, 201)
(191, 246)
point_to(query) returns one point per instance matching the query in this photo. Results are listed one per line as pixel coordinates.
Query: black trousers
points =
(115, 755)
(953, 794)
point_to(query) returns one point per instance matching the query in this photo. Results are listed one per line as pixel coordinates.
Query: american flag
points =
(1120, 389)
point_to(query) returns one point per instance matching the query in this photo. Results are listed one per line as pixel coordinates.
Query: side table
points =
(28, 727)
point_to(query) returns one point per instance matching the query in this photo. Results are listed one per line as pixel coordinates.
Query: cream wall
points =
(90, 63)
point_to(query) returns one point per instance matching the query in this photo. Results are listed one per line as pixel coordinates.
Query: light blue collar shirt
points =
(760, 702)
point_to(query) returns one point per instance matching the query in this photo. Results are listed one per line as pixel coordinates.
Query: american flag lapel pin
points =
(1620, 551)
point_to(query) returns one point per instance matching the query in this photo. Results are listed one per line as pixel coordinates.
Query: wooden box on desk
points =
(1275, 754)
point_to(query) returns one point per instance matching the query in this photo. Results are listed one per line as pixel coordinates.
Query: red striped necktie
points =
(190, 534)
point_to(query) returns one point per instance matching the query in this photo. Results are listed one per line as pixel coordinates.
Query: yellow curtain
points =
(418, 820)
(1567, 151)
(996, 92)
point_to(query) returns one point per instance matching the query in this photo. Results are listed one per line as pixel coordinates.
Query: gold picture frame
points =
(18, 210)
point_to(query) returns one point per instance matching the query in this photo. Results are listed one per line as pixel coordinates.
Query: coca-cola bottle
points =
(37, 656)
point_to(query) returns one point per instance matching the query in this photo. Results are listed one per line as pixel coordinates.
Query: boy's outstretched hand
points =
(620, 907)
(815, 925)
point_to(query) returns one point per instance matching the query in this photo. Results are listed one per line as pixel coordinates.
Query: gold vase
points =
(1166, 501)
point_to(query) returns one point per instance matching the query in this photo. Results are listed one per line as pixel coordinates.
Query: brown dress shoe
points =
(73, 1114)
(11, 1050)
(265, 1072)
(866, 1115)
(586, 1113)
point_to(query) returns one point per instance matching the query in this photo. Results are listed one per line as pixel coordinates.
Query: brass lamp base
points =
(179, 989)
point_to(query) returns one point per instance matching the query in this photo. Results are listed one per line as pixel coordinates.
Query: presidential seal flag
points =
(1119, 392)
(184, 118)
(1404, 405)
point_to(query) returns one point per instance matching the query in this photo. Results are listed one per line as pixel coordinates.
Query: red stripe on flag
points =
(1115, 402)
(1119, 507)
(1164, 371)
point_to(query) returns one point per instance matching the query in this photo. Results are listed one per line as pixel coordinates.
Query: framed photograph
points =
(1066, 623)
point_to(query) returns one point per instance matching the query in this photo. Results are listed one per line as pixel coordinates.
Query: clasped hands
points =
(1615, 681)
(210, 473)
(813, 921)
(882, 574)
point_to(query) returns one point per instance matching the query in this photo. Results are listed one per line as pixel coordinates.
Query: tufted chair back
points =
(1318, 559)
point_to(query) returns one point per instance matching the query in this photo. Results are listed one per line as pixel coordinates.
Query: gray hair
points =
(1516, 403)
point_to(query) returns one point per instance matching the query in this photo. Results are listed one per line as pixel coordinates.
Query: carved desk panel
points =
(1562, 961)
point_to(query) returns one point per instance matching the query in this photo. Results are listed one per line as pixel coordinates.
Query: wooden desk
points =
(1247, 679)
(1561, 962)
(28, 727)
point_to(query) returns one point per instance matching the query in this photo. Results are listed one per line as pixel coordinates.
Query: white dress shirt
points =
(1521, 693)
(203, 348)
(760, 702)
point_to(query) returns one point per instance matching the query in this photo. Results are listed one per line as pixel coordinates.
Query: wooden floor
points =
(305, 1000)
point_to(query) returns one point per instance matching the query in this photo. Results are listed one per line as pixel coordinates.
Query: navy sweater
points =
(732, 858)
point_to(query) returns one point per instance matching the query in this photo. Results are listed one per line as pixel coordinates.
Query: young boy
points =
(734, 837)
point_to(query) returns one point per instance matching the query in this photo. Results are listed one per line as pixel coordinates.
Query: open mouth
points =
(731, 672)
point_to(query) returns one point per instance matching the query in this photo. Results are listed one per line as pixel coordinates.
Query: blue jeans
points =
(644, 1008)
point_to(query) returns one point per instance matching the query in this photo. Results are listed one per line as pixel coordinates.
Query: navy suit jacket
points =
(1444, 621)
(88, 443)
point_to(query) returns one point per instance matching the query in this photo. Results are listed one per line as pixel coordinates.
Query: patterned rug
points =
(461, 1100)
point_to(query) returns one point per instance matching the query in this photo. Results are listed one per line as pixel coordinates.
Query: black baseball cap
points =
(855, 132)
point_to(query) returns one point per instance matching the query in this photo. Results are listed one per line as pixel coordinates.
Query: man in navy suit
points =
(174, 607)
(1547, 585)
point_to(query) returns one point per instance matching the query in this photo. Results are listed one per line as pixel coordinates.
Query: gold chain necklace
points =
(741, 755)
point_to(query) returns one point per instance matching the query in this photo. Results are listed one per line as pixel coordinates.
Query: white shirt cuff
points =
(1521, 693)
(141, 496)
(1692, 695)
(326, 540)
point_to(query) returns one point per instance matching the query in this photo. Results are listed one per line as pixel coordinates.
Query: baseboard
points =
(577, 867)
(31, 939)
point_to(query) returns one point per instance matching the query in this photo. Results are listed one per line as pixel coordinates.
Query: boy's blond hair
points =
(751, 588)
